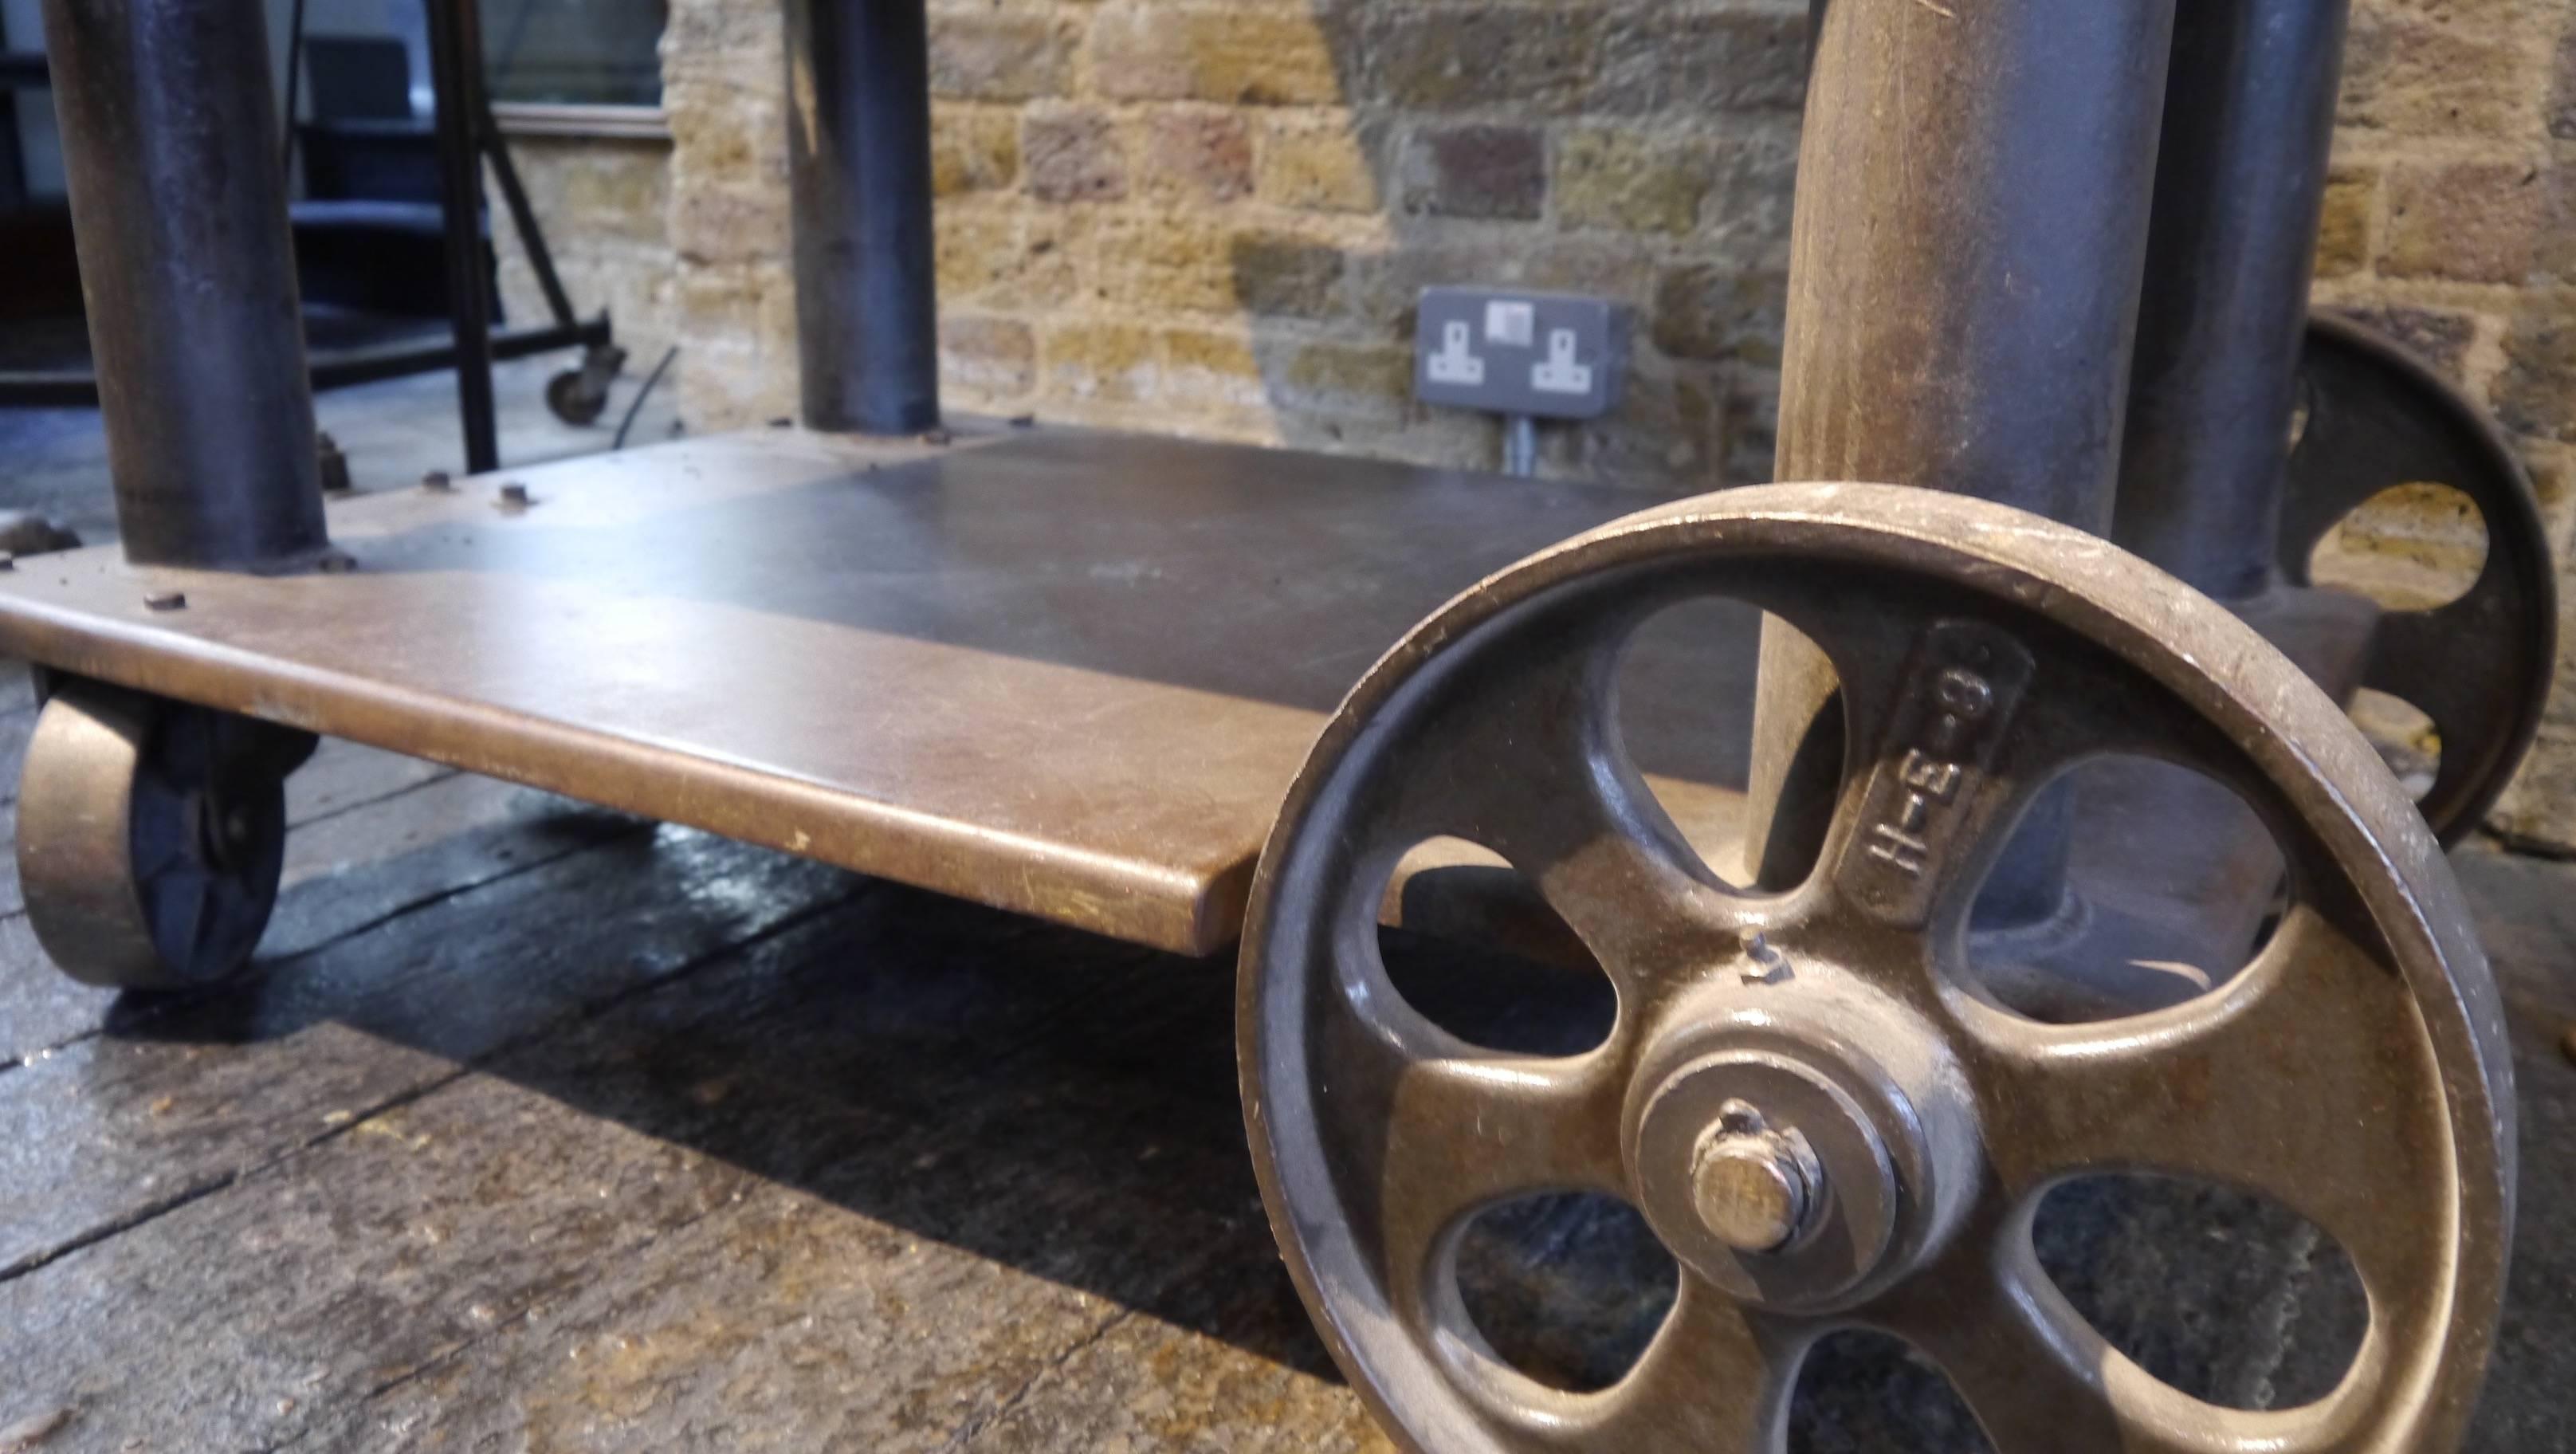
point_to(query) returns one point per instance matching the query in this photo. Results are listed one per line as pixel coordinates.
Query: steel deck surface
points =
(1064, 673)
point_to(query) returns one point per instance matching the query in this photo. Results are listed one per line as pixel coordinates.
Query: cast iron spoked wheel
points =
(151, 836)
(1830, 1125)
(2480, 665)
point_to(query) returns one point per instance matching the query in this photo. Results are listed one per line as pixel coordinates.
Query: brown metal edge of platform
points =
(1137, 902)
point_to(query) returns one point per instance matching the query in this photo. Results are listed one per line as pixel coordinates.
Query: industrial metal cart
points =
(1108, 681)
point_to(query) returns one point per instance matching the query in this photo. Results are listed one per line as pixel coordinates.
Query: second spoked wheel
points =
(2477, 666)
(1808, 1094)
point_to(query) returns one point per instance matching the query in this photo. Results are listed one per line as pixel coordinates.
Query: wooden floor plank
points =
(343, 775)
(444, 836)
(1056, 1165)
(112, 1127)
(17, 685)
(237, 1321)
(41, 1009)
(1239, 1373)
(15, 727)
(1032, 1175)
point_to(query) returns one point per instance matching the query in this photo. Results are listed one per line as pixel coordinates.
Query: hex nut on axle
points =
(1757, 1190)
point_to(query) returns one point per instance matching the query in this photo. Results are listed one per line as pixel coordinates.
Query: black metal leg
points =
(13, 162)
(859, 164)
(523, 218)
(169, 128)
(1963, 293)
(2239, 188)
(456, 66)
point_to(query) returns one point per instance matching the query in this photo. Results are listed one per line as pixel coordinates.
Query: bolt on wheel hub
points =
(1756, 1190)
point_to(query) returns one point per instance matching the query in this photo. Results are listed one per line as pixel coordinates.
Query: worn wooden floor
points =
(545, 1129)
(541, 1129)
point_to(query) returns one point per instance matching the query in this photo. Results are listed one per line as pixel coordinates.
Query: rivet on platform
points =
(166, 601)
(514, 495)
(437, 480)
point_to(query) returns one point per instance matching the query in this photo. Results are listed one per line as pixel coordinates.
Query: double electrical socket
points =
(1546, 355)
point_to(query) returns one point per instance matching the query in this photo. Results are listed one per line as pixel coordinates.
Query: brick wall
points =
(1210, 217)
(1213, 218)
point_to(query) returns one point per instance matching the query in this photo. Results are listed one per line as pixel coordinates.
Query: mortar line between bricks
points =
(458, 1071)
(399, 911)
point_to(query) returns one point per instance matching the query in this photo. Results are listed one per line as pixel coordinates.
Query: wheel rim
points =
(1376, 1136)
(2478, 666)
(151, 852)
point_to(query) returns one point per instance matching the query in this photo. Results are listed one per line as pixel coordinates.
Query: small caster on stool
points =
(579, 395)
(151, 834)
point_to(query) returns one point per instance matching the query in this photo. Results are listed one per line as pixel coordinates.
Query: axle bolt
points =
(1755, 1189)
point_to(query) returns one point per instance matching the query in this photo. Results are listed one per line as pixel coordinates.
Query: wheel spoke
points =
(177, 902)
(1530, 767)
(2039, 1378)
(1717, 1380)
(2307, 1079)
(1431, 1137)
(2460, 665)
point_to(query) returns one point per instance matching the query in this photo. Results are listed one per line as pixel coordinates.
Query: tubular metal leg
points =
(2239, 189)
(170, 140)
(859, 167)
(1973, 195)
(456, 67)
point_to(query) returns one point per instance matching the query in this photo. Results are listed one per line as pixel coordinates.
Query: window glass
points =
(575, 52)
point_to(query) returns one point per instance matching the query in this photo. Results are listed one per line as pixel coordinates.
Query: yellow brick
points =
(1115, 362)
(1241, 54)
(973, 150)
(1326, 167)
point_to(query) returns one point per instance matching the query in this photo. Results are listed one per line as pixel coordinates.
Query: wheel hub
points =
(1777, 1154)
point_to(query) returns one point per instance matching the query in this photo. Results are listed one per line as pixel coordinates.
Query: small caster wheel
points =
(151, 835)
(580, 395)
